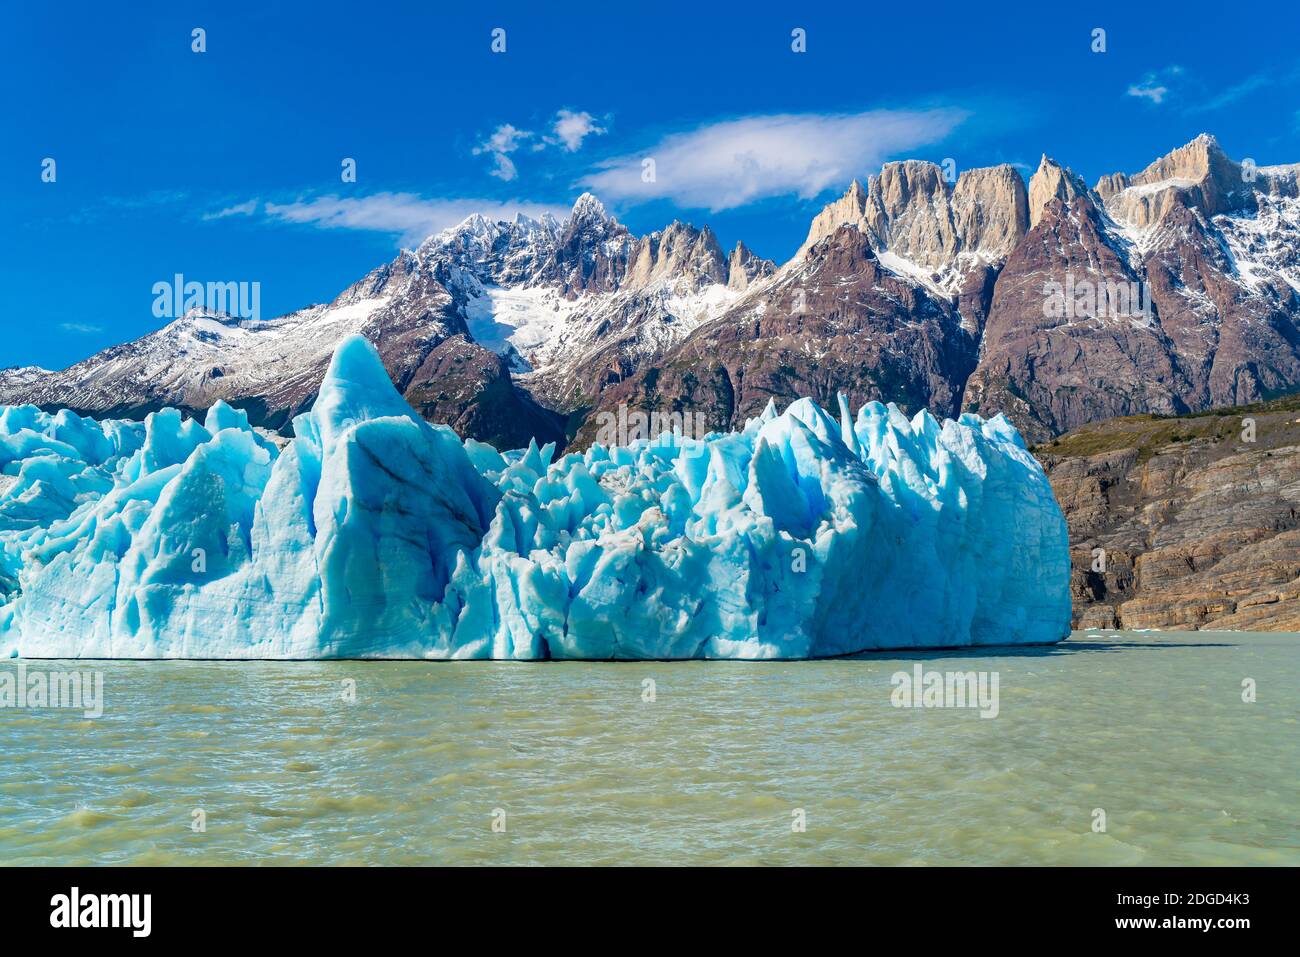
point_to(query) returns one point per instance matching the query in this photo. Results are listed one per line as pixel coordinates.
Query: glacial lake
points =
(573, 765)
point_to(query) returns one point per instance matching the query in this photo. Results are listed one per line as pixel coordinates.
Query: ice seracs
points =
(374, 535)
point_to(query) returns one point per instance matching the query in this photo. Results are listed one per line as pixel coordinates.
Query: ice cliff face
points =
(375, 534)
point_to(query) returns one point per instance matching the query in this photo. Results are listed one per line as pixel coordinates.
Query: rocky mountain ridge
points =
(1170, 290)
(469, 324)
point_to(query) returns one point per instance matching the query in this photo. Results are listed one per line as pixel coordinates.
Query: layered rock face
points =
(1052, 182)
(469, 388)
(1170, 291)
(1197, 175)
(1173, 290)
(681, 254)
(1051, 371)
(1184, 523)
(745, 269)
(886, 300)
(835, 321)
(912, 211)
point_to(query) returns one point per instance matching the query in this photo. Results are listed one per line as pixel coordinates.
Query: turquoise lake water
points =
(574, 766)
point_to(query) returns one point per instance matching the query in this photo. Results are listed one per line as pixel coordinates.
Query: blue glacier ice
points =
(373, 534)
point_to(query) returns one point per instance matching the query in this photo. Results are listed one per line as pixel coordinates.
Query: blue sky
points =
(225, 165)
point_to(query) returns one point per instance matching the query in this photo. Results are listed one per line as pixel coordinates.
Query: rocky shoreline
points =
(1184, 523)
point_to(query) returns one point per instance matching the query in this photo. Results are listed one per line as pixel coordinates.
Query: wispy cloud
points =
(1148, 89)
(568, 130)
(728, 164)
(1154, 87)
(83, 328)
(505, 139)
(409, 216)
(1191, 95)
(1239, 91)
(239, 209)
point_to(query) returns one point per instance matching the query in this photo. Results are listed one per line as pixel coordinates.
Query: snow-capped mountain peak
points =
(915, 285)
(588, 207)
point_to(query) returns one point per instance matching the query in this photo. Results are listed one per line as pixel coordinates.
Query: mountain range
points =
(1168, 291)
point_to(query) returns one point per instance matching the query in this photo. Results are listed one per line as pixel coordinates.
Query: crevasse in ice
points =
(375, 534)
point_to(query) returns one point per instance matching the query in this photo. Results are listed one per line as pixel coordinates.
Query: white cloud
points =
(505, 139)
(505, 169)
(1150, 90)
(1153, 85)
(408, 215)
(572, 128)
(239, 209)
(568, 130)
(731, 163)
(84, 328)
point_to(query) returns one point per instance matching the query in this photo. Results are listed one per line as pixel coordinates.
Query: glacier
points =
(373, 534)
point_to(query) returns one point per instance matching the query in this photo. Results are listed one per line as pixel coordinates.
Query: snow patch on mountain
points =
(1265, 244)
(521, 321)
